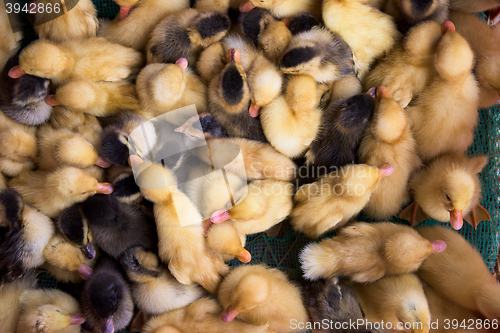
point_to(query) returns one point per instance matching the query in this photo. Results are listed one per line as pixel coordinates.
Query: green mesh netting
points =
(282, 252)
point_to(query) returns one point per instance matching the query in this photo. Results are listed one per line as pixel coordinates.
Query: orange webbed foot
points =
(413, 214)
(477, 215)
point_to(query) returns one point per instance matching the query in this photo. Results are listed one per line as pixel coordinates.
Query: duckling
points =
(78, 21)
(395, 299)
(445, 114)
(409, 67)
(260, 295)
(408, 13)
(224, 239)
(76, 230)
(368, 32)
(283, 8)
(203, 315)
(125, 188)
(343, 123)
(483, 40)
(265, 32)
(49, 311)
(345, 87)
(93, 58)
(181, 241)
(23, 99)
(67, 185)
(319, 53)
(28, 233)
(154, 289)
(10, 294)
(185, 34)
(303, 22)
(101, 98)
(366, 252)
(291, 121)
(335, 198)
(164, 88)
(11, 35)
(106, 300)
(388, 140)
(116, 226)
(448, 189)
(468, 281)
(211, 61)
(137, 19)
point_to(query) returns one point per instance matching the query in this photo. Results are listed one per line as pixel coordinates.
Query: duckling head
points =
(361, 179)
(265, 83)
(488, 71)
(421, 41)
(209, 27)
(253, 22)
(74, 227)
(407, 250)
(18, 145)
(153, 179)
(168, 85)
(389, 119)
(420, 9)
(76, 184)
(251, 291)
(303, 22)
(70, 94)
(354, 113)
(43, 59)
(52, 319)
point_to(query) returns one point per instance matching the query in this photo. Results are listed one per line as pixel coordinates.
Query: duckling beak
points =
(51, 100)
(229, 314)
(372, 91)
(102, 163)
(244, 256)
(254, 110)
(85, 272)
(246, 6)
(104, 188)
(286, 21)
(183, 63)
(220, 216)
(89, 251)
(382, 92)
(447, 26)
(124, 11)
(456, 219)
(438, 246)
(386, 170)
(107, 325)
(233, 55)
(16, 72)
(76, 318)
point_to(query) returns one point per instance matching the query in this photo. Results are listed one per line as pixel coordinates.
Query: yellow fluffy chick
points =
(137, 19)
(167, 87)
(369, 32)
(49, 311)
(484, 41)
(10, 42)
(330, 202)
(10, 307)
(345, 88)
(66, 185)
(95, 58)
(224, 239)
(366, 252)
(444, 311)
(467, 282)
(154, 289)
(388, 140)
(203, 315)
(291, 121)
(407, 69)
(180, 233)
(445, 114)
(448, 189)
(284, 8)
(260, 295)
(77, 22)
(398, 300)
(100, 98)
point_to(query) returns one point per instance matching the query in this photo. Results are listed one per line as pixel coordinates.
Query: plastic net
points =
(282, 252)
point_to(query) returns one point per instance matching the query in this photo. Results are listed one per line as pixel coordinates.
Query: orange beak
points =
(229, 314)
(244, 256)
(447, 26)
(220, 216)
(183, 63)
(386, 170)
(246, 6)
(456, 219)
(233, 55)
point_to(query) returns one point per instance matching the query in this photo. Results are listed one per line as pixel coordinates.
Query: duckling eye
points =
(84, 192)
(58, 311)
(448, 198)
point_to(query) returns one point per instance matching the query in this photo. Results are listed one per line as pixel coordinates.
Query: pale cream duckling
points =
(388, 140)
(283, 8)
(10, 306)
(101, 98)
(445, 114)
(137, 19)
(49, 311)
(167, 87)
(179, 226)
(95, 58)
(467, 281)
(399, 300)
(66, 185)
(10, 43)
(407, 69)
(260, 295)
(448, 189)
(77, 22)
(330, 202)
(366, 252)
(291, 121)
(224, 238)
(369, 33)
(203, 315)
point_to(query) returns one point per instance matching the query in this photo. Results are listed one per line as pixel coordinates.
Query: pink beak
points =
(386, 170)
(124, 11)
(107, 325)
(229, 314)
(438, 246)
(77, 319)
(51, 100)
(183, 63)
(254, 110)
(456, 219)
(16, 72)
(447, 26)
(220, 216)
(102, 163)
(85, 272)
(104, 188)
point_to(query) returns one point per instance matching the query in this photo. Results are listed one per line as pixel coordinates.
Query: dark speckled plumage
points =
(303, 22)
(408, 13)
(252, 23)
